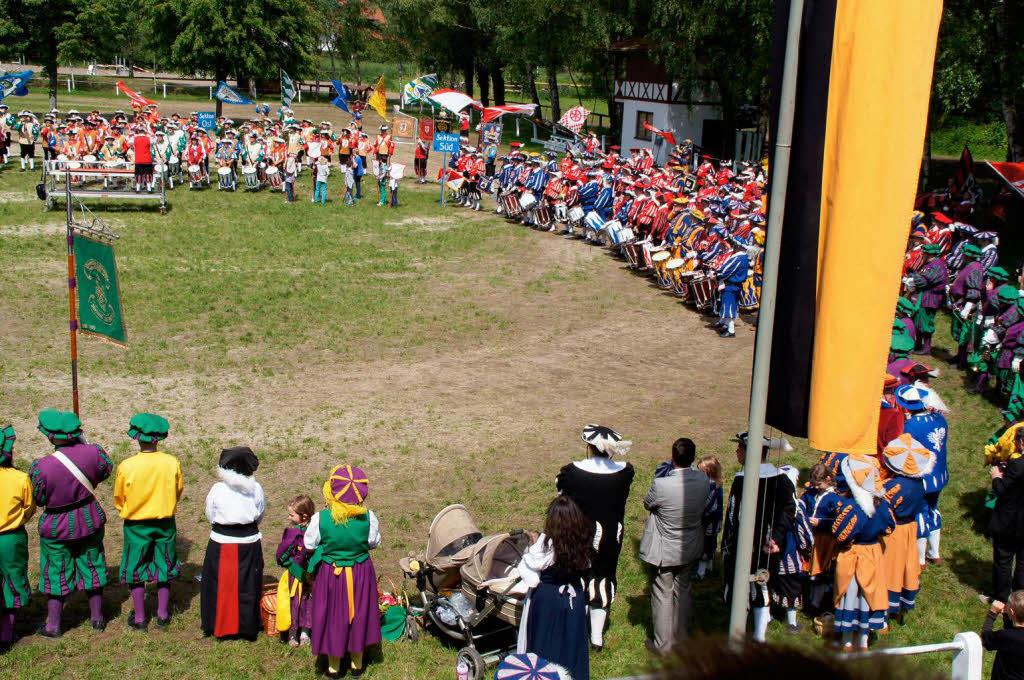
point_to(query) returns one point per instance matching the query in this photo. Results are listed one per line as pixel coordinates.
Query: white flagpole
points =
(765, 327)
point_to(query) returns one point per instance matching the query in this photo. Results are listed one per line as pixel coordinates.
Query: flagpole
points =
(765, 326)
(73, 317)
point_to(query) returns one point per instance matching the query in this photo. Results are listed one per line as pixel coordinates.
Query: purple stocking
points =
(163, 600)
(96, 606)
(139, 601)
(7, 625)
(54, 607)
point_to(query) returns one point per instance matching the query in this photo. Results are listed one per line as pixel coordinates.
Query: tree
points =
(247, 39)
(45, 31)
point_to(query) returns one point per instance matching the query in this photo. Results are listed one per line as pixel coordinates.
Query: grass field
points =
(453, 356)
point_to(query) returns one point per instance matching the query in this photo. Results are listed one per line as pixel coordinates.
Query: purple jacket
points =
(969, 283)
(1012, 345)
(930, 280)
(908, 323)
(71, 510)
(292, 553)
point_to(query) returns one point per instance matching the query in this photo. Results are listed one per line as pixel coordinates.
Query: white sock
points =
(732, 326)
(597, 618)
(762, 617)
(700, 569)
(933, 543)
(922, 546)
(22, 163)
(864, 639)
(791, 617)
(32, 163)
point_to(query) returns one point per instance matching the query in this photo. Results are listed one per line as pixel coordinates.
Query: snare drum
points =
(456, 184)
(195, 174)
(631, 249)
(683, 285)
(274, 177)
(527, 201)
(261, 171)
(89, 159)
(703, 286)
(174, 165)
(673, 268)
(252, 181)
(612, 228)
(226, 178)
(511, 205)
(575, 213)
(160, 173)
(543, 216)
(658, 260)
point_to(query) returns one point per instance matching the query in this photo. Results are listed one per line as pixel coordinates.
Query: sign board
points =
(442, 125)
(490, 135)
(404, 127)
(207, 119)
(427, 129)
(446, 142)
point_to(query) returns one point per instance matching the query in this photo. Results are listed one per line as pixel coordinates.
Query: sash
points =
(75, 472)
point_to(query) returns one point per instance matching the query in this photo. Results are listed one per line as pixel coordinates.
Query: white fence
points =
(966, 647)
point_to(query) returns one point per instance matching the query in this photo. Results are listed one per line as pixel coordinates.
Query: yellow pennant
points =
(379, 100)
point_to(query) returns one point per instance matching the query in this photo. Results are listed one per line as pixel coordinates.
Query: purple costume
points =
(292, 555)
(71, 510)
(930, 282)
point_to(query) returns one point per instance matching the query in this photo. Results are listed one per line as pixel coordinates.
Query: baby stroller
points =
(468, 587)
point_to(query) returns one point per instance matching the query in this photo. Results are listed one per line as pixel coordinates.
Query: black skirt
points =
(231, 590)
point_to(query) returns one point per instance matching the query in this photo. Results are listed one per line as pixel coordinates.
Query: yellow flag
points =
(379, 99)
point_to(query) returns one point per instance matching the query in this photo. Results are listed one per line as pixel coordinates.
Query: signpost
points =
(445, 143)
(207, 119)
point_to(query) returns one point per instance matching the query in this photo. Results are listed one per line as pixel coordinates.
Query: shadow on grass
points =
(973, 510)
(970, 570)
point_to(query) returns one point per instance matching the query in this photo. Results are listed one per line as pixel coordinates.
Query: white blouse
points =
(236, 499)
(311, 539)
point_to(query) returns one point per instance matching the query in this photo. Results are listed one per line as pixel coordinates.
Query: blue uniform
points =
(931, 429)
(854, 528)
(588, 195)
(907, 499)
(603, 202)
(733, 272)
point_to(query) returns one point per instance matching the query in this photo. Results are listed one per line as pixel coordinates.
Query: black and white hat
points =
(606, 440)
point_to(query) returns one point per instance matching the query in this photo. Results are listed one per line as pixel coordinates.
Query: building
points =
(647, 94)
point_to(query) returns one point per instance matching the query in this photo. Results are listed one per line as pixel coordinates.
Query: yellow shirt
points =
(148, 486)
(16, 502)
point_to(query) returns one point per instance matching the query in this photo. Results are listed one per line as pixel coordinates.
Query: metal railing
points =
(967, 661)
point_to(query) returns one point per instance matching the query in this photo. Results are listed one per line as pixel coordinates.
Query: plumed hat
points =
(606, 440)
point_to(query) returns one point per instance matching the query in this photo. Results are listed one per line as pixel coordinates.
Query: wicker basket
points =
(268, 609)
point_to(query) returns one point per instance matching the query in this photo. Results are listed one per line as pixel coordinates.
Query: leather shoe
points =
(52, 634)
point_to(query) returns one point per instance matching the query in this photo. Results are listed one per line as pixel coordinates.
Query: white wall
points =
(686, 122)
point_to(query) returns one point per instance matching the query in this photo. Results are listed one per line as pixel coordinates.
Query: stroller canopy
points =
(452, 535)
(494, 557)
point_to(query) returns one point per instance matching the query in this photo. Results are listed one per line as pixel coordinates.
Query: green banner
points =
(99, 296)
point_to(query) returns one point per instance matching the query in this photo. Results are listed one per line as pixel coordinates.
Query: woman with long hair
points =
(554, 621)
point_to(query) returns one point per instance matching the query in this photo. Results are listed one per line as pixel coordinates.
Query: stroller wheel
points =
(475, 662)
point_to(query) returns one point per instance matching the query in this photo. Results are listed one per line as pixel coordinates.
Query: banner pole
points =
(73, 317)
(444, 175)
(765, 326)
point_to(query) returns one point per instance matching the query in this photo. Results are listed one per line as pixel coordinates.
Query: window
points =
(642, 132)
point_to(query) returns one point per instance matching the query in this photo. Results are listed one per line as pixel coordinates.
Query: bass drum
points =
(274, 177)
(225, 178)
(703, 287)
(527, 201)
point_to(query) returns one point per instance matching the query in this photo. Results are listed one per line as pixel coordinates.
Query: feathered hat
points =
(863, 476)
(606, 440)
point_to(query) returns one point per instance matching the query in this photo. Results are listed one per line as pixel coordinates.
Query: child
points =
(322, 170)
(861, 596)
(393, 182)
(147, 488)
(554, 621)
(346, 618)
(350, 181)
(359, 169)
(294, 592)
(712, 520)
(1008, 643)
(16, 508)
(791, 571)
(291, 169)
(819, 506)
(383, 170)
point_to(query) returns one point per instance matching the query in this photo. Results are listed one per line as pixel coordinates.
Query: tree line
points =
(491, 47)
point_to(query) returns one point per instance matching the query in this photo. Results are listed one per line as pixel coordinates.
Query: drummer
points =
(733, 272)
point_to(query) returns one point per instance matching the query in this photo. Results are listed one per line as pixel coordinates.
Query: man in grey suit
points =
(672, 542)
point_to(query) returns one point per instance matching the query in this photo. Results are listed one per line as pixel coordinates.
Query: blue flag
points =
(344, 94)
(228, 95)
(15, 84)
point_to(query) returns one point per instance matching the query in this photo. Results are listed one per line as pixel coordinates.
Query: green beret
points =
(148, 427)
(1008, 294)
(931, 248)
(7, 438)
(905, 306)
(997, 274)
(1014, 409)
(60, 427)
(971, 250)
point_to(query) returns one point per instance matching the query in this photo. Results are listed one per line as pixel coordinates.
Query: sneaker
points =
(726, 334)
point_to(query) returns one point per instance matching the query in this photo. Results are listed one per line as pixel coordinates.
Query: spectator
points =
(673, 542)
(1006, 525)
(1008, 643)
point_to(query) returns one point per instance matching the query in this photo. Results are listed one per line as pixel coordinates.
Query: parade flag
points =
(1012, 174)
(417, 90)
(574, 118)
(847, 210)
(344, 94)
(495, 112)
(15, 84)
(226, 94)
(379, 99)
(99, 295)
(137, 99)
(668, 136)
(453, 100)
(287, 89)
